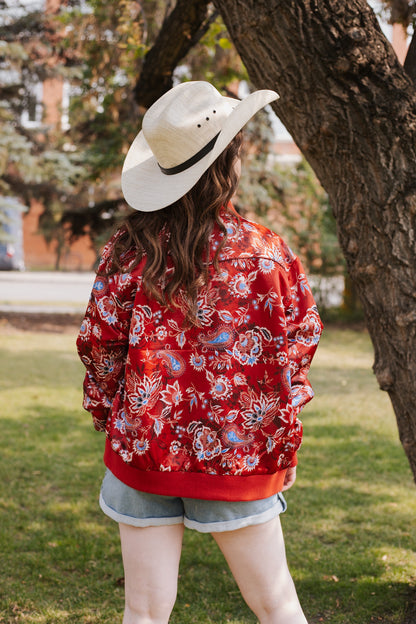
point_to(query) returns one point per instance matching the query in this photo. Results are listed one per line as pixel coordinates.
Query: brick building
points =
(48, 109)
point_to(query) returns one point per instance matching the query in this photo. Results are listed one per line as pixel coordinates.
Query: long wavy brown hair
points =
(181, 231)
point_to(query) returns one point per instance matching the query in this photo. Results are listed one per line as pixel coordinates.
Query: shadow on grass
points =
(354, 528)
(62, 558)
(349, 605)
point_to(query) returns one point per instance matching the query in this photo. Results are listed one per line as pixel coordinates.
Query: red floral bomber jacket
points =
(207, 411)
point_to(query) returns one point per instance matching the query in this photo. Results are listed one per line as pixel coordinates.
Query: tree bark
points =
(351, 109)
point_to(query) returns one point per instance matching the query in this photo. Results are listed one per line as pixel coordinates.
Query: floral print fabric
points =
(221, 398)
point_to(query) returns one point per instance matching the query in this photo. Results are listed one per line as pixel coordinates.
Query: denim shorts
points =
(141, 509)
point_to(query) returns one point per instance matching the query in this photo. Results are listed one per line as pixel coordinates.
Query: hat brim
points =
(147, 189)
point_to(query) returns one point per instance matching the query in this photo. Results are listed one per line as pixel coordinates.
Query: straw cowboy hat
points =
(182, 134)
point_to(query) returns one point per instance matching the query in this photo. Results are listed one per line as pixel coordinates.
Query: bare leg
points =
(151, 561)
(257, 560)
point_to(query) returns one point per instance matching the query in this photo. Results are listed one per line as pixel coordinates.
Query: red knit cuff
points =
(99, 418)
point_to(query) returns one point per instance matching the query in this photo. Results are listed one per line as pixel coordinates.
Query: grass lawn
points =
(349, 527)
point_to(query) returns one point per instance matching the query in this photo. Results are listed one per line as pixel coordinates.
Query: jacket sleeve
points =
(102, 342)
(304, 328)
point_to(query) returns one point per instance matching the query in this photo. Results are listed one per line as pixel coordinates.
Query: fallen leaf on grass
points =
(333, 577)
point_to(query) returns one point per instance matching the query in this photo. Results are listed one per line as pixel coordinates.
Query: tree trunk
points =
(351, 109)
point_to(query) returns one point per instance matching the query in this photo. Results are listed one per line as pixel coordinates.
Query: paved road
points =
(56, 292)
(44, 291)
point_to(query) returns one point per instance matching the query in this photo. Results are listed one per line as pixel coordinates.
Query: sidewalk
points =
(44, 292)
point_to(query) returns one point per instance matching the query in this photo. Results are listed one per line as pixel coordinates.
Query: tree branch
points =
(410, 60)
(180, 31)
(401, 11)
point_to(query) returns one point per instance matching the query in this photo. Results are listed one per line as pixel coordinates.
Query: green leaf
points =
(225, 43)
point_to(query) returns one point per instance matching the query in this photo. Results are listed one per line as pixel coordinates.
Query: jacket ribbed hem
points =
(195, 484)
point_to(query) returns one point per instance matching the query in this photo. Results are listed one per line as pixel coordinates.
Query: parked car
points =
(11, 235)
(10, 260)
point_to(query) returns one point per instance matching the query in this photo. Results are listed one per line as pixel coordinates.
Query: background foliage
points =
(98, 47)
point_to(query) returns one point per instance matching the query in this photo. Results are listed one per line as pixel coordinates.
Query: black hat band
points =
(191, 161)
